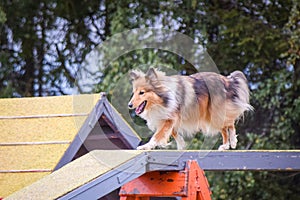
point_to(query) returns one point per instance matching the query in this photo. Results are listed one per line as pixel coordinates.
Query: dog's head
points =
(144, 90)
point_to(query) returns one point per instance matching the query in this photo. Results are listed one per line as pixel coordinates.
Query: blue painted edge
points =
(175, 160)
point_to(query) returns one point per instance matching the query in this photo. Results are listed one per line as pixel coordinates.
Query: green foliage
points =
(253, 185)
(2, 16)
(43, 44)
(292, 28)
(253, 38)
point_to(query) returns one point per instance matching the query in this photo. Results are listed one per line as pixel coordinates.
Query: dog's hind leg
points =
(225, 144)
(232, 136)
(179, 140)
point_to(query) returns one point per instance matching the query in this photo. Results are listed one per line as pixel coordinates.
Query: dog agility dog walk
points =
(181, 106)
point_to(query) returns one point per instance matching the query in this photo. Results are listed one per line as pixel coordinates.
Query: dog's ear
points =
(151, 74)
(133, 75)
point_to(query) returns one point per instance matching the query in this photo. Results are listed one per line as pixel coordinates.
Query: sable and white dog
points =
(184, 105)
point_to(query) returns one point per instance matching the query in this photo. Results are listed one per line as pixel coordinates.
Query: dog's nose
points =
(130, 105)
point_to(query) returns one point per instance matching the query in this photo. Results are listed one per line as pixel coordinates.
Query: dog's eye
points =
(141, 93)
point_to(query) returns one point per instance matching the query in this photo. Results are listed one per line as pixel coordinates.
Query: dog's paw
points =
(233, 141)
(224, 147)
(144, 147)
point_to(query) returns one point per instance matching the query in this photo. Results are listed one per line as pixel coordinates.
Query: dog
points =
(181, 105)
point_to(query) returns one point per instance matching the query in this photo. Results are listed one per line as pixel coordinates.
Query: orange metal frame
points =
(189, 184)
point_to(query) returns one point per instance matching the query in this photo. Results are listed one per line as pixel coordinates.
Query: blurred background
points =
(43, 45)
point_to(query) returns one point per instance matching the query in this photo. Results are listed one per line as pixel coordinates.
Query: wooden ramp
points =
(35, 133)
(75, 174)
(99, 172)
(41, 134)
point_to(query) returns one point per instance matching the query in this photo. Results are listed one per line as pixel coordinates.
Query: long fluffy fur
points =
(183, 105)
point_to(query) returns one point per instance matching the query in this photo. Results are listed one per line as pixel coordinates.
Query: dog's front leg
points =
(160, 137)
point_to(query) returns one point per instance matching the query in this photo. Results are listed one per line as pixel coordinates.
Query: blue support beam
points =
(175, 160)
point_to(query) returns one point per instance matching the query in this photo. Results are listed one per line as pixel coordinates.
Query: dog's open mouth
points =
(141, 108)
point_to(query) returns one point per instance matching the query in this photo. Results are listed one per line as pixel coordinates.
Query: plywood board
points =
(75, 174)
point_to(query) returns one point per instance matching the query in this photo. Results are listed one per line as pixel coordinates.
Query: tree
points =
(262, 40)
(43, 43)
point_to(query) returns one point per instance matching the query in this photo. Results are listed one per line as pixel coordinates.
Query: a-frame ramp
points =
(41, 134)
(104, 128)
(98, 166)
(100, 172)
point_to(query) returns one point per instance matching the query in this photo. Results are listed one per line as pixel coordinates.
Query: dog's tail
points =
(240, 90)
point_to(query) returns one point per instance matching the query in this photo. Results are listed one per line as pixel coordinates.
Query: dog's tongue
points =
(139, 109)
